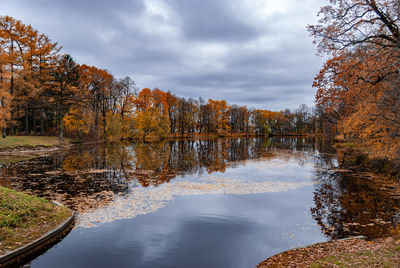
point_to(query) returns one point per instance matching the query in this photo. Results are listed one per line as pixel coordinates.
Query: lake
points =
(203, 203)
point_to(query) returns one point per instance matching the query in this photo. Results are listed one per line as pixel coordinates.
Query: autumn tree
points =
(172, 101)
(101, 94)
(46, 55)
(12, 34)
(150, 121)
(5, 97)
(159, 100)
(274, 120)
(358, 85)
(120, 118)
(204, 120)
(65, 93)
(302, 115)
(187, 115)
(143, 100)
(259, 122)
(219, 116)
(124, 96)
(27, 65)
(239, 119)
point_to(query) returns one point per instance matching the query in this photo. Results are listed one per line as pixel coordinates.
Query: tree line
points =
(45, 92)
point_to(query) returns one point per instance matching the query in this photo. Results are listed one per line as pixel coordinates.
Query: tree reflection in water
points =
(346, 202)
(89, 176)
(349, 202)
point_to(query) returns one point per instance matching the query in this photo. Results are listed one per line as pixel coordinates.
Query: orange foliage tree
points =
(28, 59)
(358, 86)
(96, 88)
(219, 120)
(5, 97)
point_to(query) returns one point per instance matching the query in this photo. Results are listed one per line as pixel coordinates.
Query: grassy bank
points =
(25, 218)
(346, 253)
(11, 142)
(4, 160)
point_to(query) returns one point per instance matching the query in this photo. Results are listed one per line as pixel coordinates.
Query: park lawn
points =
(28, 141)
(25, 218)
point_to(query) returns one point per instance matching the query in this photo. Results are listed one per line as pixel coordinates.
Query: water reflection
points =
(88, 177)
(350, 202)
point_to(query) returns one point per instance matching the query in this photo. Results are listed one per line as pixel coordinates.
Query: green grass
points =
(343, 145)
(384, 257)
(24, 218)
(28, 141)
(14, 159)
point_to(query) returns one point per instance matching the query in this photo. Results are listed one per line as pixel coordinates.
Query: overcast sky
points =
(248, 52)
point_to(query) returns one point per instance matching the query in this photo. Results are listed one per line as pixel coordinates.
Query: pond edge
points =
(360, 237)
(29, 250)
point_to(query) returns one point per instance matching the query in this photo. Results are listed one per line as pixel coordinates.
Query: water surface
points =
(213, 203)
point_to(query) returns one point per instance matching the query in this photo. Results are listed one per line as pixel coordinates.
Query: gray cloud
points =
(212, 20)
(249, 52)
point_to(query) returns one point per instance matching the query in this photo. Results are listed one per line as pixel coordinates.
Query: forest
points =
(45, 92)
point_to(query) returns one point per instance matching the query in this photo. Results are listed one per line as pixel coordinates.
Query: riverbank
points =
(20, 148)
(25, 218)
(384, 252)
(12, 142)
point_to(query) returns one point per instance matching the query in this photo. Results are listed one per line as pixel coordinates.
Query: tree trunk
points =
(104, 123)
(12, 89)
(26, 122)
(34, 125)
(60, 122)
(41, 123)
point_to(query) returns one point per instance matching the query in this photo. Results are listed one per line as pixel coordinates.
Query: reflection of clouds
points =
(272, 170)
(145, 200)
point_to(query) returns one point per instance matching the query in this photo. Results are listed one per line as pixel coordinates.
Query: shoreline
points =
(28, 223)
(36, 151)
(382, 252)
(31, 145)
(42, 244)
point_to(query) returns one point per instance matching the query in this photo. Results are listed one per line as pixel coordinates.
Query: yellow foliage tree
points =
(220, 112)
(150, 121)
(77, 121)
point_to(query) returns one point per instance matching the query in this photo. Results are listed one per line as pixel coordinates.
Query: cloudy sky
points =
(248, 52)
